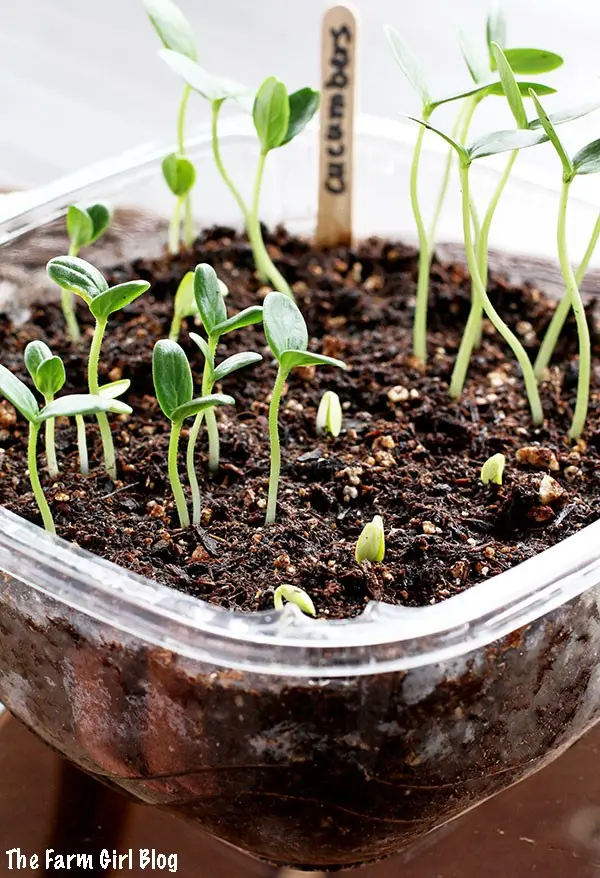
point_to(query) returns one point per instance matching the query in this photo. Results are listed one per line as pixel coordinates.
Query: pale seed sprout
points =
(329, 414)
(493, 470)
(294, 595)
(370, 545)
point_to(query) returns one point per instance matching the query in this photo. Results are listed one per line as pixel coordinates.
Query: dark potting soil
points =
(406, 452)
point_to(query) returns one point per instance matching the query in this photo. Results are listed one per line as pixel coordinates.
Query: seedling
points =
(278, 118)
(471, 96)
(287, 337)
(329, 414)
(185, 306)
(176, 34)
(586, 161)
(84, 226)
(174, 388)
(493, 470)
(17, 393)
(48, 376)
(211, 307)
(294, 595)
(77, 276)
(370, 545)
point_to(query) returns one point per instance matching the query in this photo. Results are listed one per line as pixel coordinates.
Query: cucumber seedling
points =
(294, 595)
(77, 404)
(48, 375)
(370, 545)
(287, 337)
(492, 470)
(84, 226)
(329, 414)
(174, 387)
(77, 276)
(184, 305)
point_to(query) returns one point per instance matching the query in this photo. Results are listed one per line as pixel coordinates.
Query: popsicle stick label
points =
(338, 99)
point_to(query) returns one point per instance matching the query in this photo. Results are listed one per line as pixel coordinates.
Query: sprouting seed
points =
(370, 545)
(17, 393)
(493, 469)
(294, 595)
(77, 276)
(174, 388)
(329, 414)
(85, 224)
(287, 337)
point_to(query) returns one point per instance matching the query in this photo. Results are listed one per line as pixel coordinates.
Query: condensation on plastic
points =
(384, 638)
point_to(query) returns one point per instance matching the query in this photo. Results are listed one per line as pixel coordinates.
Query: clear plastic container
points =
(310, 744)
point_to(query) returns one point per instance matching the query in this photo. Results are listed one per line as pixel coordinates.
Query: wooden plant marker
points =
(336, 136)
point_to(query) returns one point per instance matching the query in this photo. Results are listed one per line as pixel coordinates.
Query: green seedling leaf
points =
(284, 324)
(209, 299)
(117, 297)
(77, 276)
(185, 304)
(547, 126)
(408, 63)
(532, 61)
(483, 89)
(496, 89)
(19, 395)
(329, 414)
(172, 376)
(474, 59)
(179, 173)
(100, 216)
(114, 389)
(495, 32)
(493, 469)
(200, 404)
(80, 227)
(82, 404)
(304, 103)
(271, 113)
(213, 88)
(232, 364)
(509, 84)
(587, 160)
(370, 545)
(294, 595)
(292, 359)
(569, 115)
(462, 152)
(35, 354)
(203, 345)
(50, 377)
(172, 27)
(247, 317)
(504, 141)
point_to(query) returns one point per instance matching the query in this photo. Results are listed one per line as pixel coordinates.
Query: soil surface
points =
(406, 451)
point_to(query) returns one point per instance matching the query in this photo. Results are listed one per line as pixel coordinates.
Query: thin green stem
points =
(67, 301)
(456, 130)
(189, 233)
(84, 467)
(38, 493)
(275, 447)
(176, 486)
(207, 386)
(420, 319)
(583, 331)
(507, 334)
(175, 328)
(175, 226)
(187, 91)
(108, 447)
(267, 270)
(472, 333)
(50, 444)
(561, 312)
(216, 109)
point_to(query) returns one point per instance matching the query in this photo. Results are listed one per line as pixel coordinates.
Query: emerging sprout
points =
(329, 414)
(48, 376)
(294, 595)
(211, 308)
(175, 33)
(493, 470)
(287, 337)
(80, 277)
(174, 388)
(370, 546)
(17, 393)
(278, 118)
(84, 226)
(185, 306)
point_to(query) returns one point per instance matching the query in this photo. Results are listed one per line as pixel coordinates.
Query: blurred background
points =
(80, 81)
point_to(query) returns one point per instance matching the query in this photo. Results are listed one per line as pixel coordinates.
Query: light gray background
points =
(80, 80)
